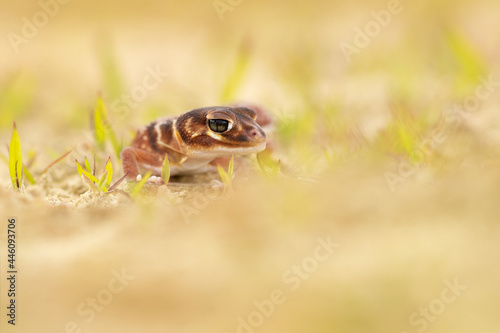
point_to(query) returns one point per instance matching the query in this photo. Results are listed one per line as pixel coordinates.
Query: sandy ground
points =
(390, 255)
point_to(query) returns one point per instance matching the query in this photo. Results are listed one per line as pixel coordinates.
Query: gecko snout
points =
(253, 133)
(257, 134)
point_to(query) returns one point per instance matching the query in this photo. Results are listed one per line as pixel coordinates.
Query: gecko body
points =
(196, 140)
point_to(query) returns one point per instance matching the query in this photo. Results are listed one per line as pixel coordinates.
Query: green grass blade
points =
(235, 78)
(471, 64)
(79, 168)
(91, 177)
(165, 171)
(110, 71)
(102, 182)
(230, 169)
(29, 176)
(32, 155)
(99, 127)
(261, 163)
(17, 91)
(85, 173)
(55, 162)
(90, 183)
(276, 169)
(405, 138)
(103, 130)
(224, 176)
(115, 185)
(268, 166)
(109, 170)
(87, 166)
(138, 187)
(117, 146)
(110, 133)
(15, 159)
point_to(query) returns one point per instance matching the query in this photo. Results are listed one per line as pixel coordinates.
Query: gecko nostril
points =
(255, 134)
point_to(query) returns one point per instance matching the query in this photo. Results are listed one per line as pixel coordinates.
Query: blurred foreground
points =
(385, 222)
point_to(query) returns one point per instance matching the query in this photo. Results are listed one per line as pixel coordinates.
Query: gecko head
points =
(220, 131)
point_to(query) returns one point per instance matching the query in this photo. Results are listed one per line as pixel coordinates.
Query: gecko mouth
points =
(245, 150)
(229, 151)
(256, 148)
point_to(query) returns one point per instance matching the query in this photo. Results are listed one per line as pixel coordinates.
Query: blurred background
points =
(356, 90)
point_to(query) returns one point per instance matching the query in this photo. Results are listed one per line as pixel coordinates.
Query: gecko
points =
(196, 141)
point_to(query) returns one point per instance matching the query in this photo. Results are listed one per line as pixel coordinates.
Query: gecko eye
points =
(219, 125)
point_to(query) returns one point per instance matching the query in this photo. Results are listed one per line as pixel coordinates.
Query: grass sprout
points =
(29, 176)
(165, 171)
(15, 160)
(87, 166)
(102, 180)
(227, 176)
(59, 159)
(138, 187)
(90, 183)
(103, 130)
(268, 166)
(468, 60)
(115, 185)
(17, 92)
(102, 184)
(235, 78)
(111, 73)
